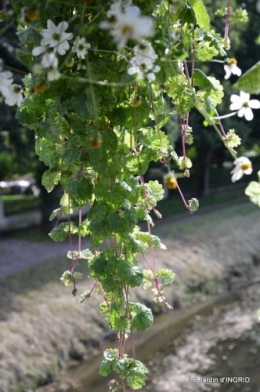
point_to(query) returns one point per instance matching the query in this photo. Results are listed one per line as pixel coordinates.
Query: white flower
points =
(115, 9)
(81, 47)
(128, 25)
(49, 58)
(55, 36)
(143, 62)
(37, 69)
(53, 74)
(5, 81)
(244, 105)
(143, 70)
(232, 68)
(144, 53)
(15, 95)
(242, 166)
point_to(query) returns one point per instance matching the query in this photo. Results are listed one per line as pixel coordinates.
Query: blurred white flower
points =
(15, 95)
(53, 74)
(55, 36)
(144, 53)
(142, 63)
(116, 8)
(128, 24)
(232, 68)
(243, 104)
(81, 47)
(242, 166)
(37, 69)
(49, 58)
(143, 69)
(6, 79)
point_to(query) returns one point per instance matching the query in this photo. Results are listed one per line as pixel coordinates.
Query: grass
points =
(174, 205)
(33, 279)
(168, 208)
(31, 234)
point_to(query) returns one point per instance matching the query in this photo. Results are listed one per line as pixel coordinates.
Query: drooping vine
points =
(104, 80)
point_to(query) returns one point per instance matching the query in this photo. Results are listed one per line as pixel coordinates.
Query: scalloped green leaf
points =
(143, 318)
(201, 14)
(250, 81)
(253, 192)
(50, 178)
(80, 191)
(131, 275)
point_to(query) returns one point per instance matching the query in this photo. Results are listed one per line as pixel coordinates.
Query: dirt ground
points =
(44, 329)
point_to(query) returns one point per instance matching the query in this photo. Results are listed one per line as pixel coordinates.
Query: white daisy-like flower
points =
(144, 53)
(55, 36)
(15, 95)
(244, 104)
(37, 69)
(80, 47)
(143, 70)
(128, 25)
(49, 58)
(53, 74)
(242, 166)
(232, 68)
(6, 79)
(116, 8)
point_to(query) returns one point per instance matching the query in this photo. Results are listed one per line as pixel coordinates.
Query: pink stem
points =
(183, 199)
(227, 20)
(182, 125)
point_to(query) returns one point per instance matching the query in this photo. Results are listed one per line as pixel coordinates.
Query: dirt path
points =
(17, 255)
(44, 328)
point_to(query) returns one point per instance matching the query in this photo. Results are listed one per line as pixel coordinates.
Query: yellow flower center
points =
(137, 101)
(246, 166)
(171, 183)
(40, 88)
(233, 61)
(31, 15)
(127, 30)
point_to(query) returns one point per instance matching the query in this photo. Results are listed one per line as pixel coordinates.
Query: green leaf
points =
(50, 178)
(80, 191)
(68, 278)
(71, 155)
(186, 15)
(83, 228)
(58, 234)
(216, 94)
(111, 354)
(29, 35)
(202, 81)
(202, 16)
(31, 109)
(26, 58)
(154, 192)
(148, 277)
(194, 204)
(102, 266)
(253, 191)
(165, 276)
(250, 81)
(129, 274)
(120, 367)
(84, 296)
(144, 317)
(137, 376)
(105, 367)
